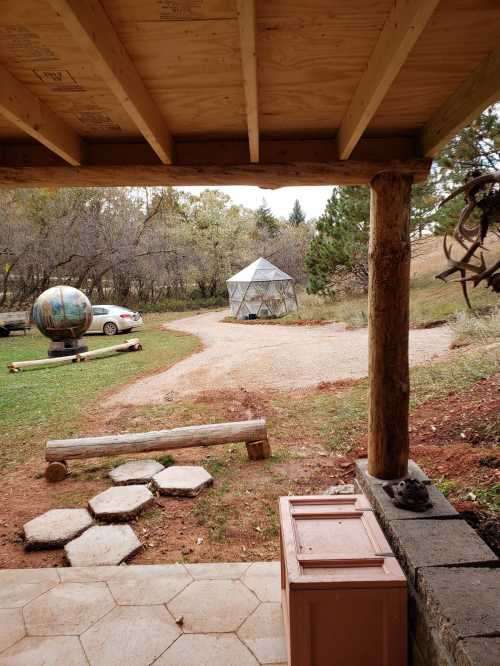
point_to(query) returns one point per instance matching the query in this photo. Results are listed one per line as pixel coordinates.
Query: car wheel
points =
(110, 328)
(4, 332)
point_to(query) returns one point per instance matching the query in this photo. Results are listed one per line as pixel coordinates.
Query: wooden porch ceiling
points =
(265, 92)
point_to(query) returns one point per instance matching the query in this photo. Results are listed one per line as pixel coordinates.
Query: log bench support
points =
(388, 325)
(253, 433)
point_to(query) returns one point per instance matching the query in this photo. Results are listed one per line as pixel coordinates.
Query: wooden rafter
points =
(247, 24)
(404, 25)
(92, 30)
(19, 106)
(477, 92)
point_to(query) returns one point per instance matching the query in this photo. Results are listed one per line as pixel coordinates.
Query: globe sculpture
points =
(63, 314)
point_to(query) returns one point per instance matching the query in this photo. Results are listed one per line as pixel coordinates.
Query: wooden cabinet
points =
(343, 591)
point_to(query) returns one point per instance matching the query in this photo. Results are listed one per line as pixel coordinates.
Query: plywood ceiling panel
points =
(131, 11)
(42, 56)
(458, 37)
(309, 64)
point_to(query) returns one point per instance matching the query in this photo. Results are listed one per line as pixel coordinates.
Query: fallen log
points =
(253, 433)
(133, 344)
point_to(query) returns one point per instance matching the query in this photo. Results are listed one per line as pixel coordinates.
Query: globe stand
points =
(68, 347)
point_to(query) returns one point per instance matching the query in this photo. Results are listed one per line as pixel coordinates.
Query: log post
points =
(388, 325)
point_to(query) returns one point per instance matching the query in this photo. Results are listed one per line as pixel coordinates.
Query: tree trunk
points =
(388, 325)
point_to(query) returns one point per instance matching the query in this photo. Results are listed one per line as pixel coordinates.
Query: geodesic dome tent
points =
(261, 290)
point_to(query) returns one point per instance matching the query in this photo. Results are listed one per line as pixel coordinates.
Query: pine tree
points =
(297, 216)
(475, 148)
(340, 245)
(265, 221)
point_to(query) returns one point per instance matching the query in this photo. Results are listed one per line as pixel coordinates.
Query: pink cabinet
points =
(343, 591)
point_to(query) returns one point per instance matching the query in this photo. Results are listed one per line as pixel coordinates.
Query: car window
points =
(99, 311)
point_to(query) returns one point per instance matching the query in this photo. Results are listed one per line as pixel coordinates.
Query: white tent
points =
(261, 290)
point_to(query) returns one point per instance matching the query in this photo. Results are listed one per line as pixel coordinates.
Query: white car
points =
(113, 319)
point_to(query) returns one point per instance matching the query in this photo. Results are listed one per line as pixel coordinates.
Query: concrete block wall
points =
(453, 579)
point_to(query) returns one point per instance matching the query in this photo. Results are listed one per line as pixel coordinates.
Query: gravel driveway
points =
(276, 357)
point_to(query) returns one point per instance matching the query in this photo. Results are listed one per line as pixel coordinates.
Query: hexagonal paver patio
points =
(139, 635)
(67, 609)
(107, 615)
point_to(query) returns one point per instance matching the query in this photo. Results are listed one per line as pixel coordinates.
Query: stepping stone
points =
(182, 480)
(102, 545)
(135, 471)
(121, 503)
(55, 528)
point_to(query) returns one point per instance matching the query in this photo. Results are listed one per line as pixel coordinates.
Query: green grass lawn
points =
(44, 403)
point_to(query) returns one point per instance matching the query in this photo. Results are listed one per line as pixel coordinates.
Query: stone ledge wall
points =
(453, 579)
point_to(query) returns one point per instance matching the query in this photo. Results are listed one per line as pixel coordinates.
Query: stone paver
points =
(88, 574)
(182, 480)
(130, 635)
(67, 609)
(102, 545)
(202, 650)
(263, 578)
(53, 651)
(213, 605)
(135, 471)
(17, 595)
(421, 543)
(11, 627)
(213, 570)
(56, 527)
(150, 584)
(264, 635)
(121, 503)
(8, 576)
(345, 489)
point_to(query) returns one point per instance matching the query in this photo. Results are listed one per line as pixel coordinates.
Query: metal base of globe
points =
(68, 347)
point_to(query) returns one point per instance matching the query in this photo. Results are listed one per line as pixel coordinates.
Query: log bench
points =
(253, 433)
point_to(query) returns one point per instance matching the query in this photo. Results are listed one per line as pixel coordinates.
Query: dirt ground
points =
(455, 440)
(268, 357)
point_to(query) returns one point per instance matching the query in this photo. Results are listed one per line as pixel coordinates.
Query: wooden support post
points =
(388, 325)
(258, 450)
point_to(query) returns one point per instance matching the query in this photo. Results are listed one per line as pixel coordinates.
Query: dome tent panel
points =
(261, 290)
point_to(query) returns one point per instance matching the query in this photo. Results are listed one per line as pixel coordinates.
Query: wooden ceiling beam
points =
(247, 23)
(94, 33)
(406, 21)
(338, 172)
(23, 109)
(477, 92)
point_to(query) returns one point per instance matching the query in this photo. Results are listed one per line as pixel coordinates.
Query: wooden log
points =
(258, 450)
(388, 325)
(160, 440)
(56, 471)
(133, 344)
(334, 172)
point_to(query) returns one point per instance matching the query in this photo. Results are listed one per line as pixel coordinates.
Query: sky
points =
(312, 199)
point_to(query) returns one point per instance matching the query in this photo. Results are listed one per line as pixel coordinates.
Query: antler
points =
(471, 236)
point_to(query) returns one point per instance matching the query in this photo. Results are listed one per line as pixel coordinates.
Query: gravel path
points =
(276, 357)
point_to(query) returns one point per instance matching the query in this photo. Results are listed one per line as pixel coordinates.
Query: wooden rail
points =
(133, 344)
(253, 433)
